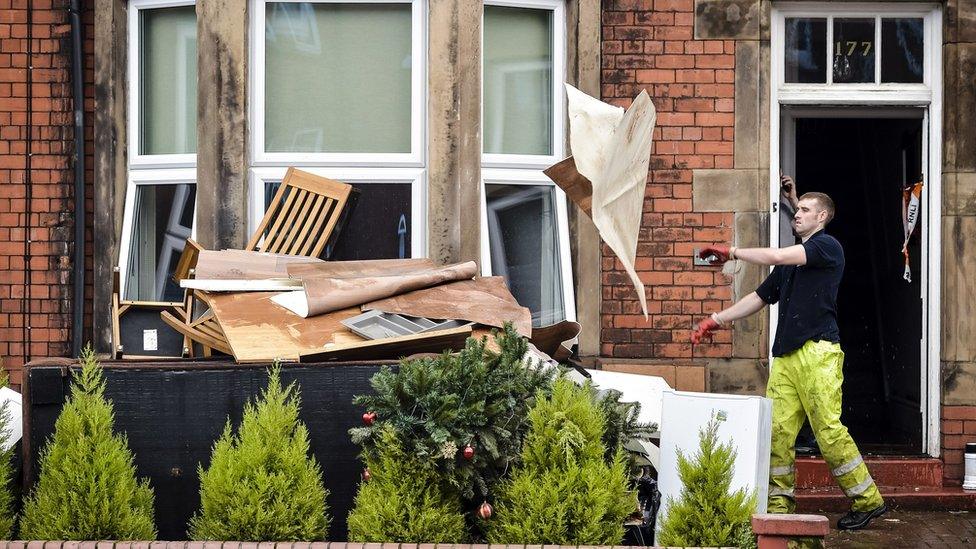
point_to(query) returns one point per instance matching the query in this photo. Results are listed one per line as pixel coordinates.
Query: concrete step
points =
(914, 472)
(950, 498)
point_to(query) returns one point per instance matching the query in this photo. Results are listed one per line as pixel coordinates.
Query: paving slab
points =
(921, 529)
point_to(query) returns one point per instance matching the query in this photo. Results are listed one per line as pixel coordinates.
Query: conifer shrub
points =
(564, 491)
(622, 423)
(88, 488)
(440, 406)
(706, 514)
(262, 484)
(7, 517)
(404, 500)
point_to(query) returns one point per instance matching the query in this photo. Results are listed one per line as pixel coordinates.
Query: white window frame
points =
(136, 159)
(558, 137)
(147, 169)
(415, 177)
(418, 97)
(148, 177)
(928, 96)
(519, 169)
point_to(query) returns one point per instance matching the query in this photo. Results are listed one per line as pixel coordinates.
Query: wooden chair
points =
(300, 220)
(302, 215)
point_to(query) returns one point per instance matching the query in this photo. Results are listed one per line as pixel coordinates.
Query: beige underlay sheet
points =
(484, 300)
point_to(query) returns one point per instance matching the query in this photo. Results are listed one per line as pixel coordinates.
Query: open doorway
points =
(863, 160)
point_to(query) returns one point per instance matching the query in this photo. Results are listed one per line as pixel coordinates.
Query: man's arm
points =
(791, 255)
(746, 306)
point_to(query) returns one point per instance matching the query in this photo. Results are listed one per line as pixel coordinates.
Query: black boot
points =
(855, 520)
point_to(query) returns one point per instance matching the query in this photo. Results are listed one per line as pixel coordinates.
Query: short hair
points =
(825, 202)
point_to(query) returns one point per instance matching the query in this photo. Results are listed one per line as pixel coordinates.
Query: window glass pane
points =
(337, 77)
(523, 239)
(168, 81)
(161, 223)
(853, 50)
(376, 223)
(902, 54)
(806, 50)
(518, 105)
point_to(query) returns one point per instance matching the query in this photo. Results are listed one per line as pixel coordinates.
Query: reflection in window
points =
(337, 77)
(376, 223)
(518, 102)
(806, 50)
(168, 80)
(524, 243)
(902, 54)
(162, 222)
(854, 50)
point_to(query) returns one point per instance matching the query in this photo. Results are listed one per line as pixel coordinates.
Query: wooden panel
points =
(394, 347)
(577, 187)
(258, 330)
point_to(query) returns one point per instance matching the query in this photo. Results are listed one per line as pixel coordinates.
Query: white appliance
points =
(747, 425)
(11, 399)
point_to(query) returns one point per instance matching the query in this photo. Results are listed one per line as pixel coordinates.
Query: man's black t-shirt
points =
(807, 295)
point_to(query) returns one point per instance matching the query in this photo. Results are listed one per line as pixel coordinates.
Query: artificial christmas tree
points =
(262, 484)
(476, 399)
(564, 492)
(706, 513)
(88, 488)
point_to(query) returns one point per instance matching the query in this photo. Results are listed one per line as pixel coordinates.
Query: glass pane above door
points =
(806, 50)
(854, 51)
(902, 53)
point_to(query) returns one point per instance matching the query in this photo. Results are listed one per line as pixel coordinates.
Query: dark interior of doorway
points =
(863, 164)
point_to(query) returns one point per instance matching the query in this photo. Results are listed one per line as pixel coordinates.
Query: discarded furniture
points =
(299, 221)
(137, 328)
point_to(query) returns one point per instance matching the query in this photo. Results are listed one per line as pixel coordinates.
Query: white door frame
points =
(927, 96)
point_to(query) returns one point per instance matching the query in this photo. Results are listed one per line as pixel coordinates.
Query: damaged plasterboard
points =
(611, 150)
(323, 294)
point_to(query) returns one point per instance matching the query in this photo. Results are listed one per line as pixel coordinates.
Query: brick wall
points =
(48, 220)
(958, 428)
(649, 44)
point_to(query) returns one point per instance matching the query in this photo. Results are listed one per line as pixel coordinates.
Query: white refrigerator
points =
(747, 424)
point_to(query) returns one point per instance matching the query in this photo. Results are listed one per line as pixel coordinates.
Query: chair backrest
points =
(301, 216)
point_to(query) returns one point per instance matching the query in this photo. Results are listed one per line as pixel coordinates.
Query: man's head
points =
(813, 213)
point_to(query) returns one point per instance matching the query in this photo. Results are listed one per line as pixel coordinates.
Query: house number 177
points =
(852, 45)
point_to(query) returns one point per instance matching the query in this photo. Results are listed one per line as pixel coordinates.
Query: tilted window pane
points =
(523, 239)
(806, 50)
(518, 104)
(162, 221)
(168, 81)
(337, 77)
(376, 223)
(854, 51)
(902, 53)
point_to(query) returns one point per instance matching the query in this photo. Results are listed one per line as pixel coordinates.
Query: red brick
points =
(952, 427)
(959, 412)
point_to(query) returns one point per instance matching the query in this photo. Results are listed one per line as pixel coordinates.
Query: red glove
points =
(720, 254)
(704, 330)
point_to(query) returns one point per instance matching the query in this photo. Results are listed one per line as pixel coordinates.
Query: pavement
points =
(910, 529)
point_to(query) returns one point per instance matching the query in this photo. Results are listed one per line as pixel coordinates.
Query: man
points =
(807, 371)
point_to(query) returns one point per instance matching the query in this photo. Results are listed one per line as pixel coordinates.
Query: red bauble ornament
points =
(365, 474)
(485, 511)
(369, 418)
(468, 452)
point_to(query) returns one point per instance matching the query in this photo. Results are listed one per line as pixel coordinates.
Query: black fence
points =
(173, 412)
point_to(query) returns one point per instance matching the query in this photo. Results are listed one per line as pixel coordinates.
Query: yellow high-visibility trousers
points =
(807, 383)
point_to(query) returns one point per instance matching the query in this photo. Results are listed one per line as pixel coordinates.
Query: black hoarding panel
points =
(172, 415)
